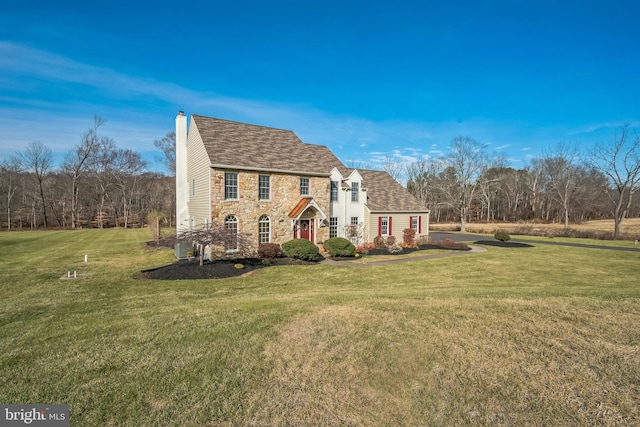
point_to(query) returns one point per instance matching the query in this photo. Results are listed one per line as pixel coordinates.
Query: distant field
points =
(534, 336)
(601, 229)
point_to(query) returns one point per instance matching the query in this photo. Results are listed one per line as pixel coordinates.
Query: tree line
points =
(100, 185)
(566, 184)
(96, 185)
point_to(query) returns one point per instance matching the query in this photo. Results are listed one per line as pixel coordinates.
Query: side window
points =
(384, 226)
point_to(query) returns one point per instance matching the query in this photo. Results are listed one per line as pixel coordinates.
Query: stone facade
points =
(285, 195)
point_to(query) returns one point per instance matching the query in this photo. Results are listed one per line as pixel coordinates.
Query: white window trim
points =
(268, 199)
(308, 193)
(384, 226)
(237, 185)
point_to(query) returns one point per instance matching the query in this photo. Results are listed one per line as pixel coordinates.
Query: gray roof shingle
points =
(240, 145)
(386, 194)
(244, 146)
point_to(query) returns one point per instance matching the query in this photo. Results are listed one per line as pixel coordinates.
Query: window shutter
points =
(419, 224)
(379, 226)
(390, 232)
(410, 222)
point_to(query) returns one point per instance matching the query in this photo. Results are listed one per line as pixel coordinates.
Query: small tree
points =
(222, 241)
(155, 217)
(408, 237)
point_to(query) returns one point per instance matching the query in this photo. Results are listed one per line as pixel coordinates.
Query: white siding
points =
(198, 171)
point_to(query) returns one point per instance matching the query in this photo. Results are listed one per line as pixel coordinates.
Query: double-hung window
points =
(355, 190)
(304, 186)
(415, 224)
(231, 236)
(264, 229)
(334, 191)
(264, 187)
(384, 225)
(231, 185)
(333, 226)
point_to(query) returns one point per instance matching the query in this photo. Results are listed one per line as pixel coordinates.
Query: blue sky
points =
(367, 79)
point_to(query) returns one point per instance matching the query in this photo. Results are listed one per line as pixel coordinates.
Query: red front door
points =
(306, 229)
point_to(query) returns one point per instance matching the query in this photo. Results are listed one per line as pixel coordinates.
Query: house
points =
(268, 183)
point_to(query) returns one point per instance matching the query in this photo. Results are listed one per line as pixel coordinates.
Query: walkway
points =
(466, 237)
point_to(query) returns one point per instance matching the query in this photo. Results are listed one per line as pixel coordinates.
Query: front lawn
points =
(540, 335)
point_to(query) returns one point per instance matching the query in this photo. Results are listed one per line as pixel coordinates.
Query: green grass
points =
(542, 336)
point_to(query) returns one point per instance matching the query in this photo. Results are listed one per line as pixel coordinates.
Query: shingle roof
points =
(240, 145)
(386, 194)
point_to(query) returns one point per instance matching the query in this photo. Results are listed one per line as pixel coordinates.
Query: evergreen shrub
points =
(301, 249)
(339, 246)
(503, 236)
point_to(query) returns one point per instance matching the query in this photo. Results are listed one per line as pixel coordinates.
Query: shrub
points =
(365, 248)
(394, 248)
(339, 246)
(503, 236)
(391, 240)
(408, 236)
(270, 251)
(424, 240)
(452, 244)
(301, 249)
(379, 242)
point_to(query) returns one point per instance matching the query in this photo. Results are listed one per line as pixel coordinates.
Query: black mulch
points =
(221, 269)
(500, 244)
(218, 269)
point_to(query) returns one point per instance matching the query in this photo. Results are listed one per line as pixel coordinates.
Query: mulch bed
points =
(218, 269)
(222, 269)
(500, 244)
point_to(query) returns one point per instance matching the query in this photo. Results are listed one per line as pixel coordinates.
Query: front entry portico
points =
(304, 218)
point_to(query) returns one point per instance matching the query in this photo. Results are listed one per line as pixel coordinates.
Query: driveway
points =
(471, 237)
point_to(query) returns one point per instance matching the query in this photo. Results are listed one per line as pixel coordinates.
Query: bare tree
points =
(167, 145)
(9, 177)
(220, 240)
(565, 176)
(536, 184)
(77, 162)
(619, 162)
(103, 169)
(469, 161)
(37, 159)
(394, 168)
(424, 181)
(128, 170)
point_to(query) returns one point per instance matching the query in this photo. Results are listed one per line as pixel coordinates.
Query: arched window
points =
(231, 237)
(264, 229)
